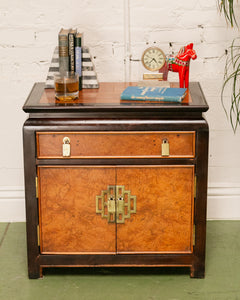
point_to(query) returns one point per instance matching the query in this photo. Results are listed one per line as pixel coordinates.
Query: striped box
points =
(89, 75)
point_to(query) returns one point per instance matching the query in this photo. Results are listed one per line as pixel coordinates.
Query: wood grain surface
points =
(67, 210)
(116, 144)
(108, 93)
(164, 218)
(162, 223)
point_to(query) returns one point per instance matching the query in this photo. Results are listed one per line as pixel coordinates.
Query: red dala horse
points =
(180, 63)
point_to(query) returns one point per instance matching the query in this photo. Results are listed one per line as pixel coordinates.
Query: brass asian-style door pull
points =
(116, 204)
(106, 204)
(126, 204)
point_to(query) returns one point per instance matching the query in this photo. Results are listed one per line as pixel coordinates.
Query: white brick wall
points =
(114, 31)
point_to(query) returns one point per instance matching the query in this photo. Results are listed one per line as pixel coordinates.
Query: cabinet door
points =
(67, 210)
(163, 221)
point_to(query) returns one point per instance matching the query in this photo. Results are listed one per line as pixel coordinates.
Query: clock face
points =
(153, 58)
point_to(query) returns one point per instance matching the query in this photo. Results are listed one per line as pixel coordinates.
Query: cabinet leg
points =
(35, 273)
(197, 271)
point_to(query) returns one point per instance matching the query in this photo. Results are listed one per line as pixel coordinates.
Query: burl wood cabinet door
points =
(163, 221)
(67, 210)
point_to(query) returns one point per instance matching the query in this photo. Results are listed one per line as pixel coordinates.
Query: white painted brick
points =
(150, 18)
(222, 34)
(192, 18)
(219, 174)
(45, 37)
(13, 37)
(211, 50)
(177, 37)
(207, 4)
(105, 35)
(167, 6)
(216, 112)
(219, 148)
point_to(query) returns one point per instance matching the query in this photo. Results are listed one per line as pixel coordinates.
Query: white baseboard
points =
(12, 204)
(223, 203)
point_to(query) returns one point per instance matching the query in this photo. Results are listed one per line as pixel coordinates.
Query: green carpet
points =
(222, 279)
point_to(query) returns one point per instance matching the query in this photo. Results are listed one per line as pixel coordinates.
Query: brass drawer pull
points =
(66, 150)
(165, 147)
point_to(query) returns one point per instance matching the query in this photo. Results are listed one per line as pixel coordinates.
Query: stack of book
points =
(70, 43)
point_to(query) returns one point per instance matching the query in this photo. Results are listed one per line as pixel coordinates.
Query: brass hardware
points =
(126, 204)
(158, 76)
(36, 183)
(106, 204)
(194, 234)
(66, 146)
(116, 211)
(38, 235)
(165, 147)
(111, 209)
(111, 205)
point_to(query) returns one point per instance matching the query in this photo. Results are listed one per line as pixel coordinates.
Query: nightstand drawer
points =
(119, 144)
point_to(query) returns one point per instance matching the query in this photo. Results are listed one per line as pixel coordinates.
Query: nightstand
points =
(115, 183)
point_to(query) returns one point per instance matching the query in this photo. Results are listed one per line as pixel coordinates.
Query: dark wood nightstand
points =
(115, 183)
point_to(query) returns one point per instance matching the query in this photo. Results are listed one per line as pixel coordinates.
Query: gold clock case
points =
(148, 50)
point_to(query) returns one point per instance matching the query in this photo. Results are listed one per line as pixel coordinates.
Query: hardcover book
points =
(153, 94)
(78, 57)
(63, 50)
(71, 49)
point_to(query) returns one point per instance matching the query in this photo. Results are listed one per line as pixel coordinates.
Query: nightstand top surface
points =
(107, 99)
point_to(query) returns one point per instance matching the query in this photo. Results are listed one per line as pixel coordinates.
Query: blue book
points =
(78, 57)
(153, 94)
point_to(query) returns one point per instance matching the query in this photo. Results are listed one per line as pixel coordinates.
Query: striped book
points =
(89, 75)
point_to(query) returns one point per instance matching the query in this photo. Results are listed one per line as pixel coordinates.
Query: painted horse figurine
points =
(180, 63)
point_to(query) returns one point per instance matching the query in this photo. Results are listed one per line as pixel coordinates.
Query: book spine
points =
(146, 98)
(78, 58)
(71, 52)
(63, 51)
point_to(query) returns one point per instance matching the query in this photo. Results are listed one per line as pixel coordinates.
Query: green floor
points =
(222, 279)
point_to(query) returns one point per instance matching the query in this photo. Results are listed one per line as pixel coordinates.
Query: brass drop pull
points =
(116, 204)
(111, 209)
(66, 150)
(165, 147)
